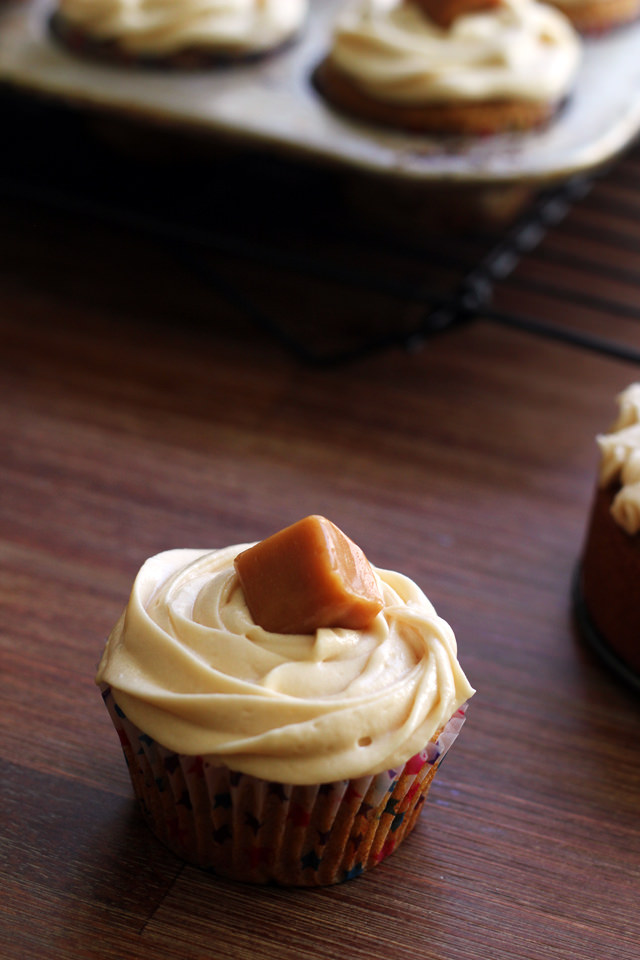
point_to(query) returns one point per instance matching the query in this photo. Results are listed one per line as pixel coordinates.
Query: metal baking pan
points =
(272, 104)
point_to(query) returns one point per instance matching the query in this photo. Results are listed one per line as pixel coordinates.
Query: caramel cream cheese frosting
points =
(161, 27)
(620, 460)
(520, 50)
(188, 665)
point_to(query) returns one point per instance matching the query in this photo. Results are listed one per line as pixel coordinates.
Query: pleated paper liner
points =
(256, 831)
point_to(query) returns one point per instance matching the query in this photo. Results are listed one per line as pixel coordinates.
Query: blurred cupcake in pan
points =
(450, 66)
(187, 34)
(599, 16)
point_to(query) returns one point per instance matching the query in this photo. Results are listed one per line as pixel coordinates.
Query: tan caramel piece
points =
(444, 12)
(307, 576)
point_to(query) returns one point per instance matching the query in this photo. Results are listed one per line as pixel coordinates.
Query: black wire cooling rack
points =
(299, 229)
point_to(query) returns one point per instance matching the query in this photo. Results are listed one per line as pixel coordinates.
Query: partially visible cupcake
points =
(598, 16)
(610, 570)
(453, 66)
(177, 33)
(268, 756)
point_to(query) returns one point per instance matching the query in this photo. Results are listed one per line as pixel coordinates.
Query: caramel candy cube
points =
(307, 576)
(444, 12)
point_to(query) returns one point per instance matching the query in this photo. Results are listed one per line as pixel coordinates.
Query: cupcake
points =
(177, 33)
(297, 753)
(610, 570)
(598, 16)
(452, 66)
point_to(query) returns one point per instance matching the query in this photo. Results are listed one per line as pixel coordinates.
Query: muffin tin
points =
(272, 104)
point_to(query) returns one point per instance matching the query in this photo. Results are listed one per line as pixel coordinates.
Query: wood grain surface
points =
(140, 411)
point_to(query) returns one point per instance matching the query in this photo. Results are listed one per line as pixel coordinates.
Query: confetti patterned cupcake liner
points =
(256, 831)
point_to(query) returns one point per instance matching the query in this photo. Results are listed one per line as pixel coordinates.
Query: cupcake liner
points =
(257, 831)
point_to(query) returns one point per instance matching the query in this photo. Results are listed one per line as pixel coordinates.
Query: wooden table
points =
(141, 410)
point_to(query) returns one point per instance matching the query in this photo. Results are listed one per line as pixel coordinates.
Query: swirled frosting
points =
(188, 665)
(520, 50)
(620, 460)
(162, 27)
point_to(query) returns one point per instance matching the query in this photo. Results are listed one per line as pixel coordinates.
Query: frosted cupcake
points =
(599, 16)
(483, 68)
(177, 33)
(608, 585)
(269, 755)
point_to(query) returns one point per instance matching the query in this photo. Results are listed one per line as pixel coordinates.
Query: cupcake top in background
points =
(188, 664)
(620, 460)
(403, 51)
(161, 28)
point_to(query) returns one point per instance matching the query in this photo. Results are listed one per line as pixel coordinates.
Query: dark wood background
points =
(141, 410)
